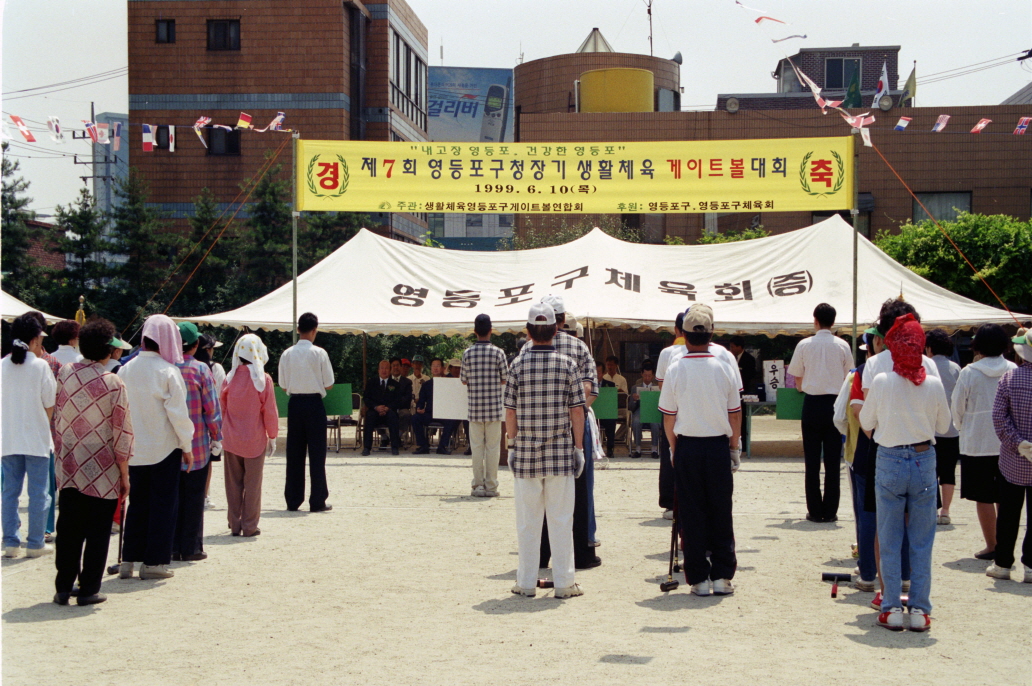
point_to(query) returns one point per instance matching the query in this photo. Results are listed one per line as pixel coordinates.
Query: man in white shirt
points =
(66, 335)
(671, 353)
(820, 364)
(703, 420)
(305, 374)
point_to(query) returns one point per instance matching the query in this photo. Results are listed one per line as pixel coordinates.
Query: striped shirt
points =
(202, 402)
(542, 387)
(577, 350)
(484, 371)
(1012, 419)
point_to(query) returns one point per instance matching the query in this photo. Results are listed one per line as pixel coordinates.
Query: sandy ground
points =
(407, 581)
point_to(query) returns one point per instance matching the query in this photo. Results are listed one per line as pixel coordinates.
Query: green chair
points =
(339, 407)
(282, 399)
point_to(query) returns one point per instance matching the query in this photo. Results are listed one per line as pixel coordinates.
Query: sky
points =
(724, 51)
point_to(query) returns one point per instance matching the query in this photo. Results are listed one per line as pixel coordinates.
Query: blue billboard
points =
(470, 104)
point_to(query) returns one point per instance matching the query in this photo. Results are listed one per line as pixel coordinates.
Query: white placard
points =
(773, 377)
(451, 401)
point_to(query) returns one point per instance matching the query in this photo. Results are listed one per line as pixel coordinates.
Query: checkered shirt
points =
(577, 350)
(1012, 419)
(542, 387)
(484, 371)
(202, 402)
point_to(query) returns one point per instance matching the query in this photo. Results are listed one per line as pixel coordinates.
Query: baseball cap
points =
(1023, 338)
(873, 331)
(418, 358)
(189, 333)
(454, 362)
(405, 362)
(482, 324)
(555, 302)
(119, 343)
(541, 309)
(698, 315)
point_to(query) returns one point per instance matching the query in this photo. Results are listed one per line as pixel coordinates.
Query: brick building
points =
(43, 245)
(339, 70)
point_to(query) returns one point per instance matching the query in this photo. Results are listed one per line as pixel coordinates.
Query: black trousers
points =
(189, 536)
(667, 489)
(306, 435)
(821, 441)
(1008, 519)
(84, 519)
(608, 427)
(419, 424)
(373, 419)
(150, 521)
(702, 472)
(582, 552)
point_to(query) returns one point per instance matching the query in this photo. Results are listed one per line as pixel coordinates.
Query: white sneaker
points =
(919, 620)
(490, 493)
(997, 572)
(723, 587)
(208, 505)
(866, 586)
(525, 592)
(156, 572)
(1028, 574)
(12, 551)
(115, 528)
(478, 492)
(594, 544)
(47, 549)
(703, 588)
(892, 619)
(568, 592)
(668, 514)
(125, 570)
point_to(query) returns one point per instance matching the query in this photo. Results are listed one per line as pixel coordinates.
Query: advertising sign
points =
(470, 105)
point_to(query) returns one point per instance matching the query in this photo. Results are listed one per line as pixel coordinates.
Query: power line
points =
(65, 83)
(58, 90)
(995, 59)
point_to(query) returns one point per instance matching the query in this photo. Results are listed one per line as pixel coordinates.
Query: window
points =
(223, 34)
(165, 31)
(943, 206)
(408, 81)
(161, 138)
(222, 142)
(838, 72)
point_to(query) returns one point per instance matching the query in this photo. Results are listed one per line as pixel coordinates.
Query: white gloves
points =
(671, 456)
(216, 448)
(578, 461)
(736, 460)
(271, 448)
(1025, 449)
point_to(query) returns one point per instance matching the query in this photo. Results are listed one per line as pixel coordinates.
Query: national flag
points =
(821, 102)
(91, 129)
(117, 136)
(244, 122)
(222, 126)
(148, 138)
(865, 134)
(200, 124)
(940, 124)
(103, 136)
(853, 98)
(54, 124)
(1023, 124)
(275, 125)
(29, 138)
(171, 138)
(761, 19)
(779, 40)
(859, 121)
(883, 84)
(982, 123)
(909, 88)
(902, 123)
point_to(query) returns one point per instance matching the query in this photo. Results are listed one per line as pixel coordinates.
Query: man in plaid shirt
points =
(483, 372)
(544, 413)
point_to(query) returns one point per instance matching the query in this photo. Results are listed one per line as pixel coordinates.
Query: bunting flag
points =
(779, 40)
(909, 88)
(171, 138)
(103, 136)
(982, 123)
(883, 84)
(821, 102)
(54, 124)
(244, 122)
(1022, 126)
(148, 138)
(29, 138)
(941, 123)
(91, 129)
(902, 123)
(761, 19)
(751, 9)
(222, 126)
(275, 125)
(117, 136)
(859, 121)
(200, 124)
(865, 134)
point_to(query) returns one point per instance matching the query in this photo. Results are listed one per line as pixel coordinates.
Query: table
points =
(749, 408)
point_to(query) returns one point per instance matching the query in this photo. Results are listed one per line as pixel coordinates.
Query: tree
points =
(264, 247)
(14, 239)
(542, 237)
(997, 245)
(208, 292)
(733, 236)
(81, 229)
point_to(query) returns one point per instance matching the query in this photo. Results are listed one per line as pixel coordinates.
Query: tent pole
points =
(294, 214)
(364, 366)
(856, 233)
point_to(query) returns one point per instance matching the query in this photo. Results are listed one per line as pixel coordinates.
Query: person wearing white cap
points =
(544, 414)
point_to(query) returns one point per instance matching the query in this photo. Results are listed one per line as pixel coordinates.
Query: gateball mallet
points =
(113, 569)
(835, 579)
(670, 584)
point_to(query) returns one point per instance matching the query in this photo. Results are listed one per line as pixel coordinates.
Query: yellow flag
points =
(910, 89)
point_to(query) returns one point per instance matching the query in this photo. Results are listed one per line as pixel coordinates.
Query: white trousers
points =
(485, 442)
(552, 497)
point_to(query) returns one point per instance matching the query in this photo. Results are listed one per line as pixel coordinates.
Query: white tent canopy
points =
(11, 308)
(766, 286)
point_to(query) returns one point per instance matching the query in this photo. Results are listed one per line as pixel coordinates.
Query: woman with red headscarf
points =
(904, 409)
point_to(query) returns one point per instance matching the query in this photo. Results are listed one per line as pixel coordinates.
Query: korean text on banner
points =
(786, 175)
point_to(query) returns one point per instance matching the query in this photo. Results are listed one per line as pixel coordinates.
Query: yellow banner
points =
(777, 175)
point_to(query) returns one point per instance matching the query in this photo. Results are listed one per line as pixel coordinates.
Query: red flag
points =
(981, 125)
(244, 122)
(29, 138)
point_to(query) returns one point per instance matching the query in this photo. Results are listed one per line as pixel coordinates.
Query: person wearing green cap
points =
(117, 347)
(202, 401)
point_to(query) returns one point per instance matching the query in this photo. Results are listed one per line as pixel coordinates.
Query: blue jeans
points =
(589, 478)
(636, 430)
(52, 489)
(906, 479)
(15, 469)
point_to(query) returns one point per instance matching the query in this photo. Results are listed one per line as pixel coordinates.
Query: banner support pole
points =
(294, 214)
(855, 211)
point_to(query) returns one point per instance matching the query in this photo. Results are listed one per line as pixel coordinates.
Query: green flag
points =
(853, 92)
(910, 89)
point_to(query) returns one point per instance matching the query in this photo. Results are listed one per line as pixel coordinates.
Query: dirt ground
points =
(407, 581)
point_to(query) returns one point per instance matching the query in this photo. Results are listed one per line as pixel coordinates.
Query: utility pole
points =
(648, 6)
(294, 214)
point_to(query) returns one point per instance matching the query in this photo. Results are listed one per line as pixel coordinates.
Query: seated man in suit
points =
(382, 401)
(425, 415)
(647, 383)
(404, 395)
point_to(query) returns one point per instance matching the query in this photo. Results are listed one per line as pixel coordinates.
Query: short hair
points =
(542, 332)
(939, 342)
(65, 332)
(381, 362)
(825, 315)
(990, 340)
(394, 359)
(307, 322)
(679, 321)
(890, 310)
(25, 328)
(698, 337)
(613, 358)
(738, 340)
(436, 359)
(151, 345)
(482, 327)
(94, 337)
(648, 366)
(38, 316)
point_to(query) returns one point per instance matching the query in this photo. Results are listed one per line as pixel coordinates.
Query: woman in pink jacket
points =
(250, 425)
